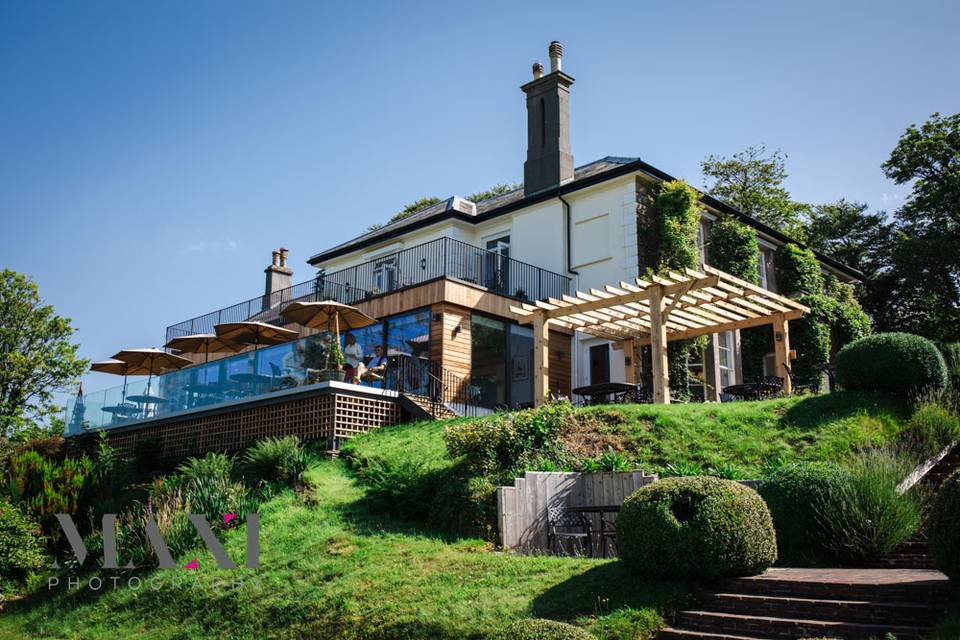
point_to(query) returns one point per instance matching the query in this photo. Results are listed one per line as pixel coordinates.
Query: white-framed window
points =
(385, 274)
(725, 365)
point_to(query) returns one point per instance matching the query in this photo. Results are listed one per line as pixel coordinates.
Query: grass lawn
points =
(744, 434)
(335, 569)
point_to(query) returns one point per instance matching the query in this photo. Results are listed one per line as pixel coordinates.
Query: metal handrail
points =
(443, 257)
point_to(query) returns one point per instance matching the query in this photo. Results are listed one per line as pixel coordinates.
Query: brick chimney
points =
(549, 160)
(279, 275)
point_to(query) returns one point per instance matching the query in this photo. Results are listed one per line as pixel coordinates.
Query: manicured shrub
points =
(21, 547)
(793, 493)
(893, 362)
(696, 527)
(865, 516)
(540, 629)
(943, 528)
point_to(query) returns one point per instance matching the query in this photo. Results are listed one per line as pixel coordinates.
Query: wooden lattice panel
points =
(331, 417)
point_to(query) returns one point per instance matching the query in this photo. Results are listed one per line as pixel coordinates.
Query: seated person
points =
(353, 354)
(294, 367)
(376, 368)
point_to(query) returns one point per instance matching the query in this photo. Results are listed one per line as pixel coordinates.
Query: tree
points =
(407, 211)
(845, 231)
(492, 192)
(752, 181)
(37, 357)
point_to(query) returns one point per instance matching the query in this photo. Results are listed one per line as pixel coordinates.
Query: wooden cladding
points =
(332, 417)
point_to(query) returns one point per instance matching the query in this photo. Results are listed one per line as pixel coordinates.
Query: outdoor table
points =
(146, 400)
(598, 392)
(199, 390)
(752, 390)
(254, 380)
(604, 522)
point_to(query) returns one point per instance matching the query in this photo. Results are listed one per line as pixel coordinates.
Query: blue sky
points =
(153, 154)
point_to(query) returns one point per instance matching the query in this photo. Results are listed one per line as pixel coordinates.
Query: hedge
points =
(943, 528)
(541, 629)
(699, 527)
(900, 363)
(793, 494)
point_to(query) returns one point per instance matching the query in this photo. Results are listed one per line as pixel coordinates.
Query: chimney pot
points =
(276, 258)
(556, 56)
(283, 256)
(537, 70)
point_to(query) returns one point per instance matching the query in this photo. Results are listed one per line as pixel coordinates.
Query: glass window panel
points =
(489, 355)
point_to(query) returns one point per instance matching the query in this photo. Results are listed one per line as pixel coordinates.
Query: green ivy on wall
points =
(732, 247)
(798, 271)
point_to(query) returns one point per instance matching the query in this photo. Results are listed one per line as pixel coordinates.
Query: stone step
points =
(863, 611)
(790, 628)
(685, 634)
(892, 585)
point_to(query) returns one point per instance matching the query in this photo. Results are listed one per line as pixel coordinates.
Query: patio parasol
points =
(203, 343)
(321, 314)
(149, 362)
(255, 333)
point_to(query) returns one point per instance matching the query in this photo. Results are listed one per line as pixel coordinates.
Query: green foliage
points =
(931, 428)
(866, 517)
(678, 212)
(845, 231)
(37, 357)
(752, 181)
(334, 358)
(798, 271)
(951, 357)
(43, 487)
(810, 336)
(681, 469)
(732, 247)
(794, 494)
(848, 322)
(540, 629)
(277, 460)
(212, 465)
(696, 527)
(755, 343)
(21, 547)
(892, 362)
(943, 528)
(499, 443)
(609, 460)
(726, 471)
(494, 191)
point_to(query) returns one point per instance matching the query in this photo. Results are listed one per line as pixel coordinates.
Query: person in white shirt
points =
(353, 354)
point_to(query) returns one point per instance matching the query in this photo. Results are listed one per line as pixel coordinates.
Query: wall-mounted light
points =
(779, 337)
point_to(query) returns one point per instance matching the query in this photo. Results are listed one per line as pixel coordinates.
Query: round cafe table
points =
(148, 403)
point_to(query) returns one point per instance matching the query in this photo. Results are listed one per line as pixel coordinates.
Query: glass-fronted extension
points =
(393, 347)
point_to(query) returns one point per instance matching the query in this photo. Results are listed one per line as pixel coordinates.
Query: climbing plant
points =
(798, 271)
(732, 247)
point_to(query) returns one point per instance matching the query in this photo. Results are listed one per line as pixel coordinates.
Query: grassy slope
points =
(336, 570)
(745, 434)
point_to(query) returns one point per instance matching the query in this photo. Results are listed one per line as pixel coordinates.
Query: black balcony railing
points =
(444, 257)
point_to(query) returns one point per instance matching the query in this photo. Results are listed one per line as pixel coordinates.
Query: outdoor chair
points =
(771, 380)
(608, 539)
(570, 526)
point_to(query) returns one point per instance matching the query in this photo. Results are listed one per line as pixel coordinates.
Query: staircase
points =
(422, 408)
(854, 604)
(900, 593)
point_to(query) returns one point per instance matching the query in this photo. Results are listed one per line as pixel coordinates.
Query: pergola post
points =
(629, 361)
(541, 359)
(781, 347)
(658, 346)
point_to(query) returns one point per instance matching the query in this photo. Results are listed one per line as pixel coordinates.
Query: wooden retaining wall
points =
(522, 508)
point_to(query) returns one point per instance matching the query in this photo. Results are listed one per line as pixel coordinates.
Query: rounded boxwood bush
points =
(891, 362)
(699, 527)
(943, 528)
(793, 494)
(541, 629)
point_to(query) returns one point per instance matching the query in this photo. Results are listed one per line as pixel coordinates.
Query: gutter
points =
(568, 221)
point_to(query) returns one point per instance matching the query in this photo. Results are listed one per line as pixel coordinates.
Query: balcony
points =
(441, 258)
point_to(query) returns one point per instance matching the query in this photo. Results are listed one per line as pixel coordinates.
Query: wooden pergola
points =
(656, 311)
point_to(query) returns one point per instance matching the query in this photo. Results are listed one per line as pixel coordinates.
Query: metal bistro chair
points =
(569, 525)
(772, 381)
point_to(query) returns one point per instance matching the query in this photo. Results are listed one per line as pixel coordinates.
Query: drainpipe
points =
(574, 342)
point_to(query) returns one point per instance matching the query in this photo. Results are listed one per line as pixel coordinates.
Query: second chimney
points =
(549, 160)
(279, 277)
